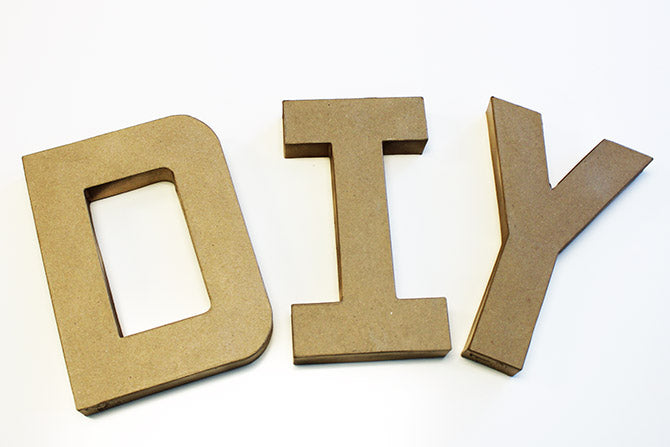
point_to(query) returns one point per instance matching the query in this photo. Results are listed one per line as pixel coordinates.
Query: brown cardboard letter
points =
(106, 369)
(536, 222)
(369, 322)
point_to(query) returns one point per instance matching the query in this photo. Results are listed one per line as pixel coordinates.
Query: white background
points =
(597, 370)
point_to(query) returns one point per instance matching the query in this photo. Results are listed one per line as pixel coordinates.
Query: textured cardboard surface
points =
(106, 369)
(369, 322)
(536, 222)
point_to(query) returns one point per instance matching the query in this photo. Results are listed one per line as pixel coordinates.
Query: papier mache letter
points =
(105, 368)
(537, 222)
(369, 322)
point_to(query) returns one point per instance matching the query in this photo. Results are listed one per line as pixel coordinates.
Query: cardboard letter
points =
(105, 368)
(369, 322)
(536, 222)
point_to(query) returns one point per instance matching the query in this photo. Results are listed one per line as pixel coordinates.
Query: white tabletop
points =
(596, 372)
